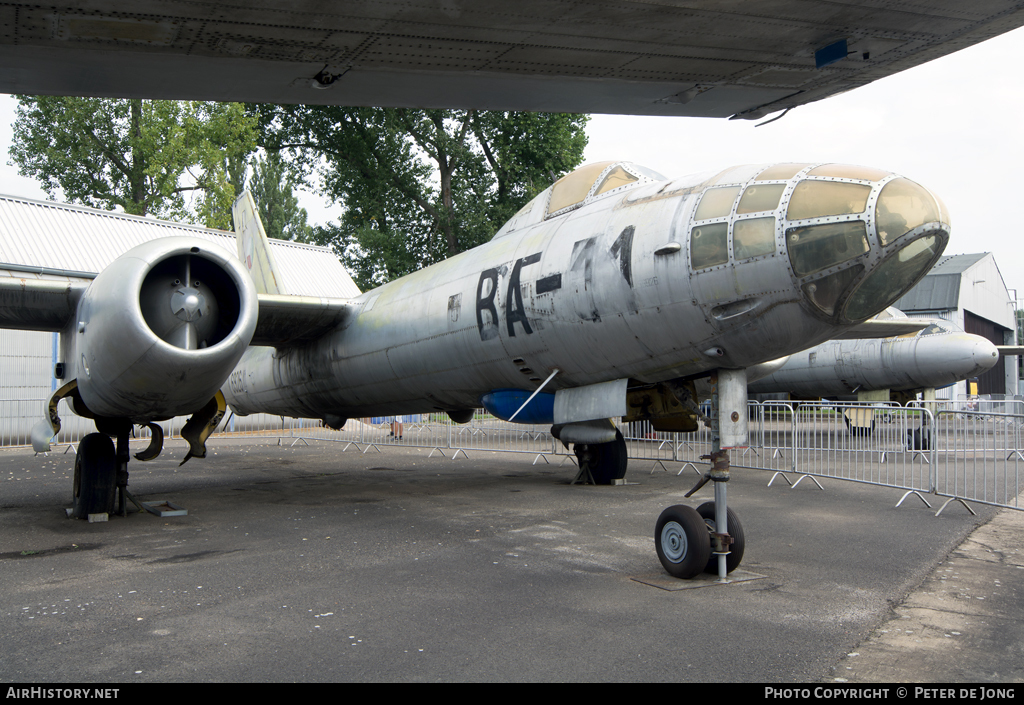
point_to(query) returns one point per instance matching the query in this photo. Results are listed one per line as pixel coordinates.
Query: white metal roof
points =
(62, 236)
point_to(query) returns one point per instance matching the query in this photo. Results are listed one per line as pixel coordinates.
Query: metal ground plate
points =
(667, 582)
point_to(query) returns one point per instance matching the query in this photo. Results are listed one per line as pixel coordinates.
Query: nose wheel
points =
(681, 539)
(684, 540)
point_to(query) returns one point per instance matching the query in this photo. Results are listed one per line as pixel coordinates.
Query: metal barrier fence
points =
(960, 454)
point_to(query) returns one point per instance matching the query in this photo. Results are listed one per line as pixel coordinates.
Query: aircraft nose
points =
(984, 355)
(860, 238)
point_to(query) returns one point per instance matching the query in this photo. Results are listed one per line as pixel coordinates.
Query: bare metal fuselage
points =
(583, 292)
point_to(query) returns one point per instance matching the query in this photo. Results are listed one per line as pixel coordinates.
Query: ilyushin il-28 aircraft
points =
(614, 281)
(611, 283)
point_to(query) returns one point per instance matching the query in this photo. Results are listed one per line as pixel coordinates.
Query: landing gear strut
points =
(688, 540)
(101, 469)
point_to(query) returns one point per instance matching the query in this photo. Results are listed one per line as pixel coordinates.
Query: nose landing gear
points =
(689, 541)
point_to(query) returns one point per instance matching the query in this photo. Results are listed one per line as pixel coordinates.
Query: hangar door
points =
(993, 381)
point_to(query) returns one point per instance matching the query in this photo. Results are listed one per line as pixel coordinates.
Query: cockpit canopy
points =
(579, 188)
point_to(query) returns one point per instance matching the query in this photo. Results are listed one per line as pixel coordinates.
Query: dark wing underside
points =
(703, 58)
(285, 320)
(38, 304)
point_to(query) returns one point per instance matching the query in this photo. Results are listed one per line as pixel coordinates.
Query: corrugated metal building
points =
(969, 290)
(44, 239)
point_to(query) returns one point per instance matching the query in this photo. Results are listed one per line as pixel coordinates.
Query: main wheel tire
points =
(732, 561)
(95, 476)
(609, 460)
(681, 539)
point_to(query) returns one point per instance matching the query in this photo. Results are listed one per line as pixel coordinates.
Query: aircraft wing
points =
(744, 59)
(38, 304)
(284, 320)
(889, 328)
(48, 305)
(1009, 350)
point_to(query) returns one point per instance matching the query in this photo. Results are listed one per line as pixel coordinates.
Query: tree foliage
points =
(418, 186)
(271, 186)
(142, 156)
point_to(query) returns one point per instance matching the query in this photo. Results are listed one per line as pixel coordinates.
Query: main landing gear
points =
(101, 470)
(689, 541)
(602, 463)
(95, 476)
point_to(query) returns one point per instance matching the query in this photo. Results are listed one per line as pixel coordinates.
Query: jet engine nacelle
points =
(160, 329)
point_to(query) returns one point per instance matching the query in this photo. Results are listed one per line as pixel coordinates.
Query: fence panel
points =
(978, 457)
(865, 443)
(964, 453)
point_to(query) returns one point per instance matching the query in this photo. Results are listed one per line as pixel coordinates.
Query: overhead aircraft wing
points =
(889, 328)
(744, 59)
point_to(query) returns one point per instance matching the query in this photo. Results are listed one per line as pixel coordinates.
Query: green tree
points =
(141, 156)
(271, 186)
(418, 186)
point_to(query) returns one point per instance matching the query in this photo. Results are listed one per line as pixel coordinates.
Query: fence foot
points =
(778, 454)
(439, 451)
(812, 480)
(374, 446)
(539, 456)
(1017, 453)
(923, 455)
(686, 465)
(71, 446)
(570, 458)
(914, 492)
(655, 467)
(957, 499)
(300, 438)
(792, 485)
(350, 443)
(460, 450)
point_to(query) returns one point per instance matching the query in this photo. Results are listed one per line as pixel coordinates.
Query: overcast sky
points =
(955, 124)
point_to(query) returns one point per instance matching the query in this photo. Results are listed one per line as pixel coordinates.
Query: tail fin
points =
(253, 247)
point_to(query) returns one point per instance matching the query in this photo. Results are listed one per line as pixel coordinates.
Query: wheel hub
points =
(673, 541)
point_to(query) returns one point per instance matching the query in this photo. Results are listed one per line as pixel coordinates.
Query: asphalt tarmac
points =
(310, 564)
